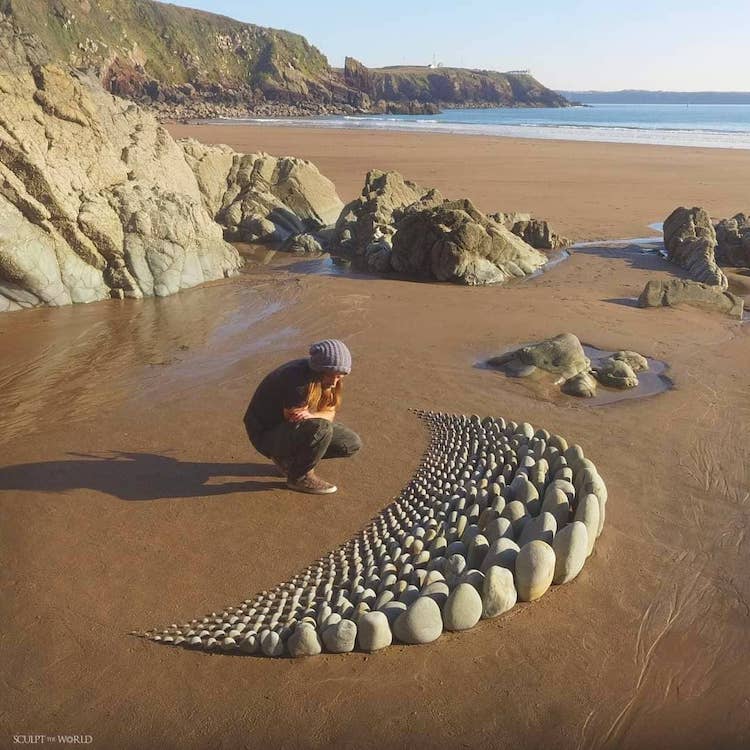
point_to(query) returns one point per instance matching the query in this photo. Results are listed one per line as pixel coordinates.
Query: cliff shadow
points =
(138, 476)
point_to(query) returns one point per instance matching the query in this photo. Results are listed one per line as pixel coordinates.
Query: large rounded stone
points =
(340, 638)
(571, 546)
(463, 608)
(499, 528)
(556, 502)
(517, 514)
(374, 631)
(499, 591)
(588, 513)
(393, 610)
(421, 623)
(535, 568)
(271, 643)
(477, 551)
(542, 527)
(502, 552)
(304, 641)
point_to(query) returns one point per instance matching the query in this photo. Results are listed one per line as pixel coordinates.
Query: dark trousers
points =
(303, 444)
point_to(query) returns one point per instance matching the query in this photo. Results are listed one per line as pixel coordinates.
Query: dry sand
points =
(130, 498)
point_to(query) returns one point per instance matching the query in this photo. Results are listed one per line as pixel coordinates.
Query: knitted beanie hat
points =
(330, 355)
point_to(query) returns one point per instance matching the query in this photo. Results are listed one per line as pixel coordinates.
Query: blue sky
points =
(584, 44)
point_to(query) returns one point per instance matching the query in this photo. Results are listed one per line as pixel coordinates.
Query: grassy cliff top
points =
(173, 44)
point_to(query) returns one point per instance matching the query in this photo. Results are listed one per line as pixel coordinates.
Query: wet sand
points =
(130, 498)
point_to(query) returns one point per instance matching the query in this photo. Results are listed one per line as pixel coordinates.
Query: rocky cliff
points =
(449, 87)
(190, 63)
(97, 200)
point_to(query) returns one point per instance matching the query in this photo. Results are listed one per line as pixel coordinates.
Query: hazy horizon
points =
(652, 46)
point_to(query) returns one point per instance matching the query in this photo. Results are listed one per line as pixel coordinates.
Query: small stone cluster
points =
(496, 513)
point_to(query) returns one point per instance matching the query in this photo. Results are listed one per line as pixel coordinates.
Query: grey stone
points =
(498, 592)
(674, 292)
(535, 568)
(304, 641)
(421, 623)
(543, 527)
(588, 513)
(374, 631)
(502, 552)
(571, 549)
(463, 608)
(616, 373)
(498, 528)
(340, 638)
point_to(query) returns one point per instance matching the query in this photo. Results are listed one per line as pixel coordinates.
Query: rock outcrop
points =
(371, 218)
(684, 292)
(398, 225)
(262, 198)
(456, 242)
(733, 241)
(563, 357)
(690, 242)
(96, 199)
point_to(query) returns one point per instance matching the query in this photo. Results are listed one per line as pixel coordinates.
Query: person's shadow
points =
(136, 476)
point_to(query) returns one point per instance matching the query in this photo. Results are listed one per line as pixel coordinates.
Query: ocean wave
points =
(653, 133)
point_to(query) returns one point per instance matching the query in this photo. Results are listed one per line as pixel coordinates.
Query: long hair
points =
(320, 398)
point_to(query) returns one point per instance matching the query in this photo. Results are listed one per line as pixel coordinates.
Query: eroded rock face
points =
(684, 292)
(733, 241)
(262, 198)
(96, 199)
(456, 242)
(370, 218)
(535, 232)
(690, 241)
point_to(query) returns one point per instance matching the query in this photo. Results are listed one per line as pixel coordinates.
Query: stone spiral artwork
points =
(496, 513)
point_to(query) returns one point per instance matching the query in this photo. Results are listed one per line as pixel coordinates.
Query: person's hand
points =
(298, 415)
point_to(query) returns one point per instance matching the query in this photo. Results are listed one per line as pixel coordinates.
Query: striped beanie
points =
(330, 355)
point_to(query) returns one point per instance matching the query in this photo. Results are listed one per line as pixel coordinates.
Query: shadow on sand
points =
(136, 476)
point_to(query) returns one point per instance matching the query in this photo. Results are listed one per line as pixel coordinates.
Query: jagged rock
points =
(733, 241)
(369, 218)
(262, 198)
(616, 373)
(302, 244)
(455, 242)
(690, 241)
(96, 199)
(534, 232)
(683, 292)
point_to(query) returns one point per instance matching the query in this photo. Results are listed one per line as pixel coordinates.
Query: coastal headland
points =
(130, 495)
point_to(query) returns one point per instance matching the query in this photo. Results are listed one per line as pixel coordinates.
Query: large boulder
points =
(262, 198)
(733, 241)
(453, 241)
(562, 356)
(683, 292)
(369, 219)
(96, 199)
(690, 241)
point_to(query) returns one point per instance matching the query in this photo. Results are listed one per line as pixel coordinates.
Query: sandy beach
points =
(130, 497)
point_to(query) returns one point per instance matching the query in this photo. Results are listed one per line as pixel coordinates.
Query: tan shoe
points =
(311, 484)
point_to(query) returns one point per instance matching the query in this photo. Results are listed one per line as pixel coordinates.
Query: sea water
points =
(704, 125)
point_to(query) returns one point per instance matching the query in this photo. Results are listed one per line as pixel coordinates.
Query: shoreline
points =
(562, 133)
(588, 191)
